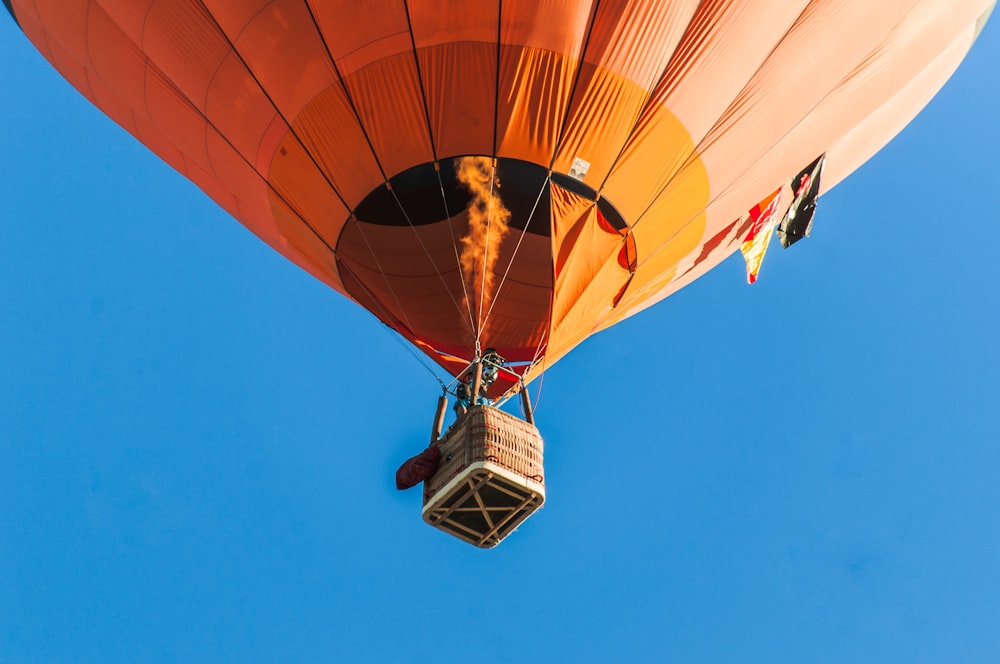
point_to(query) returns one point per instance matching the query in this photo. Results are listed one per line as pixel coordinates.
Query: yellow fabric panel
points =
(629, 48)
(587, 274)
(461, 116)
(725, 43)
(857, 102)
(675, 227)
(603, 112)
(389, 100)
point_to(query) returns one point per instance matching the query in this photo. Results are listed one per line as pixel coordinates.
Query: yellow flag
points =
(763, 219)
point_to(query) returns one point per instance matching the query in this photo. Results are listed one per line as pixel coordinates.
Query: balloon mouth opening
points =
(433, 192)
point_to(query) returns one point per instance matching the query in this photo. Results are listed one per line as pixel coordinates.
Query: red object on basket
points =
(419, 468)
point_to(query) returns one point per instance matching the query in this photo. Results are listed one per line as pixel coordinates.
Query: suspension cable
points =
(427, 253)
(486, 254)
(503, 280)
(458, 258)
(392, 332)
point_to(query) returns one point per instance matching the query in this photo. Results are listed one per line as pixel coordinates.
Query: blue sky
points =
(197, 440)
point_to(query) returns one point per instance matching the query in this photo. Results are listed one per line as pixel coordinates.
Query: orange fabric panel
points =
(422, 284)
(233, 17)
(330, 132)
(296, 179)
(280, 39)
(182, 40)
(121, 65)
(129, 15)
(65, 23)
(457, 54)
(304, 247)
(410, 284)
(629, 48)
(174, 115)
(542, 42)
(534, 92)
(64, 62)
(559, 26)
(461, 116)
(361, 33)
(587, 274)
(604, 110)
(390, 103)
(238, 108)
(440, 22)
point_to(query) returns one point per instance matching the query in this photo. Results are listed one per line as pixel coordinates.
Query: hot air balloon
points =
(517, 174)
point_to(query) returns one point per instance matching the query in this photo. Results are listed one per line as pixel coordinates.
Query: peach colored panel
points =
(388, 98)
(726, 42)
(283, 49)
(129, 15)
(446, 21)
(460, 88)
(878, 122)
(184, 42)
(361, 33)
(329, 130)
(238, 108)
(811, 60)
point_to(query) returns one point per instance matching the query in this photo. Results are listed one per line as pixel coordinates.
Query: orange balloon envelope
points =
(517, 174)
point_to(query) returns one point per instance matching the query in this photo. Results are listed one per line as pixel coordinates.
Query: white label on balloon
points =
(579, 168)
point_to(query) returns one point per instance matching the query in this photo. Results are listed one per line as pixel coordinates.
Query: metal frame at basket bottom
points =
(483, 504)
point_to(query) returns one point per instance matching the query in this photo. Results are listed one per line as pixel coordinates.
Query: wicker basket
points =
(490, 478)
